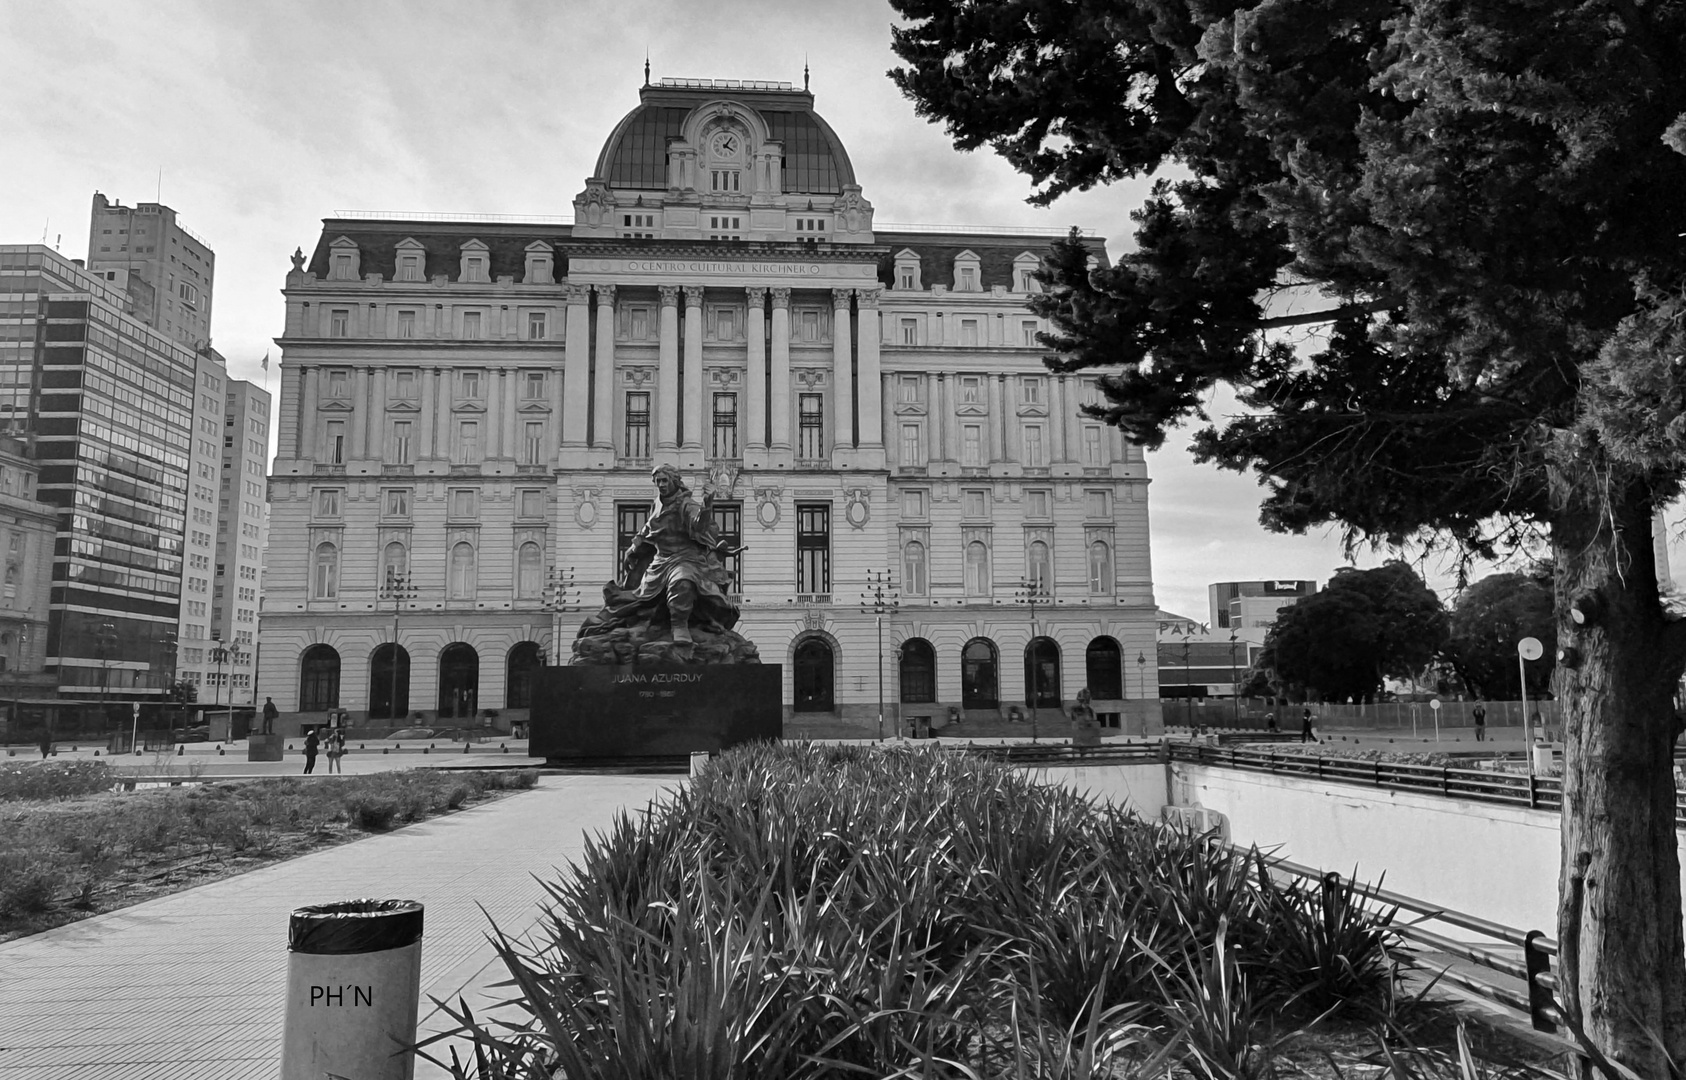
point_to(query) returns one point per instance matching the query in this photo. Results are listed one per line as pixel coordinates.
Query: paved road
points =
(192, 985)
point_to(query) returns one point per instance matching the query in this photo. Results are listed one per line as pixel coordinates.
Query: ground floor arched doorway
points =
(814, 676)
(459, 681)
(389, 683)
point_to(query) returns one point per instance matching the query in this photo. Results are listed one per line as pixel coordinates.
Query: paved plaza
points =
(193, 984)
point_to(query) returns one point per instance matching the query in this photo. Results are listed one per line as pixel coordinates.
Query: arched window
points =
(918, 672)
(524, 659)
(389, 682)
(319, 678)
(462, 572)
(529, 572)
(913, 568)
(813, 676)
(1100, 568)
(459, 680)
(979, 685)
(977, 569)
(395, 561)
(1042, 673)
(1103, 665)
(1041, 569)
(325, 581)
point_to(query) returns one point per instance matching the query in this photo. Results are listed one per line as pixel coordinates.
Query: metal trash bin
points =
(353, 985)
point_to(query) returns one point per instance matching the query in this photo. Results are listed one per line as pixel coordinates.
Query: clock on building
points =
(726, 145)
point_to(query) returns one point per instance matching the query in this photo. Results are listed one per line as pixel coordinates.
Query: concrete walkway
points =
(192, 985)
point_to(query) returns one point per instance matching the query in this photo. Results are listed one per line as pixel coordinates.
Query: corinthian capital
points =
(757, 295)
(781, 298)
(693, 295)
(605, 295)
(670, 295)
(577, 294)
(840, 298)
(868, 298)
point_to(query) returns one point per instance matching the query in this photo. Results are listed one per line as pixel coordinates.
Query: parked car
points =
(196, 733)
(412, 733)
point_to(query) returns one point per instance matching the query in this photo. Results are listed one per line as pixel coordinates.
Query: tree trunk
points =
(1619, 912)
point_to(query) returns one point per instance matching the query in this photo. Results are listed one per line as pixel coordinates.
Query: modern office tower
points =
(471, 409)
(110, 406)
(166, 271)
(241, 534)
(1252, 605)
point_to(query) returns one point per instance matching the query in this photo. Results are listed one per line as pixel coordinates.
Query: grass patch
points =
(805, 912)
(52, 779)
(66, 853)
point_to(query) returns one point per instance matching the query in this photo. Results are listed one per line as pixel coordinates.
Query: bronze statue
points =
(672, 577)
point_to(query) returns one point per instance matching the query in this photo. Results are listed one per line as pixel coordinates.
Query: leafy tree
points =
(1366, 626)
(1488, 619)
(1486, 193)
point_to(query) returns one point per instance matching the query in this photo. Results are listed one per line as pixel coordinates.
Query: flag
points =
(266, 361)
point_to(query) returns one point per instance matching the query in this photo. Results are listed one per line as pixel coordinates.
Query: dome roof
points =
(635, 155)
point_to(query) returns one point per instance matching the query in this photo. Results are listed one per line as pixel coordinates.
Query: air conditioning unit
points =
(1197, 820)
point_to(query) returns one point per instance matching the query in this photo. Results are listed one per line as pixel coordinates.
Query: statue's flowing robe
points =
(682, 538)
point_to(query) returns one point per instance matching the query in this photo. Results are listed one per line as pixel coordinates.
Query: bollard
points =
(180, 750)
(353, 984)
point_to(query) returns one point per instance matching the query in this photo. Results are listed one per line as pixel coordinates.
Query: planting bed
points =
(807, 911)
(66, 854)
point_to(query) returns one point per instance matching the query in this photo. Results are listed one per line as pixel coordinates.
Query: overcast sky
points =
(263, 118)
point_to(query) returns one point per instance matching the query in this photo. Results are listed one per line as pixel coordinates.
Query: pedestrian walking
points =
(46, 746)
(311, 744)
(1305, 729)
(270, 712)
(1480, 715)
(1270, 722)
(336, 750)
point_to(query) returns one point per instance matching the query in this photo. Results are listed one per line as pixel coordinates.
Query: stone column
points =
(375, 447)
(691, 453)
(1065, 415)
(871, 407)
(359, 413)
(287, 435)
(994, 449)
(576, 375)
(755, 397)
(842, 375)
(424, 420)
(603, 375)
(307, 414)
(667, 375)
(936, 389)
(780, 434)
(513, 434)
(496, 419)
(442, 433)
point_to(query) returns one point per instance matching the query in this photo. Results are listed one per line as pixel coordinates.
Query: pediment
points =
(468, 407)
(475, 245)
(335, 405)
(1033, 410)
(910, 408)
(972, 408)
(532, 407)
(403, 406)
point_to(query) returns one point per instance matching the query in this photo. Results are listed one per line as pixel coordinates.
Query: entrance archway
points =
(459, 680)
(1103, 665)
(389, 698)
(524, 659)
(814, 676)
(980, 685)
(319, 679)
(918, 672)
(1042, 673)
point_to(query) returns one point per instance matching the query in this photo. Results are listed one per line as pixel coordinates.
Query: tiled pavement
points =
(192, 985)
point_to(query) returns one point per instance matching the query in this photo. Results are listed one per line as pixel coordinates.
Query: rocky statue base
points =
(651, 645)
(586, 711)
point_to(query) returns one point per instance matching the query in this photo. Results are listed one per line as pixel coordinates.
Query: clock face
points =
(726, 144)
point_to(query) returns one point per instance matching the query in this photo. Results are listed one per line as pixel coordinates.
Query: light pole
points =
(877, 601)
(106, 640)
(1141, 681)
(1028, 593)
(225, 654)
(560, 596)
(1234, 682)
(398, 588)
(1188, 684)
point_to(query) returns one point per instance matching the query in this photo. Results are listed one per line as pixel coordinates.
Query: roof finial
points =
(804, 73)
(646, 69)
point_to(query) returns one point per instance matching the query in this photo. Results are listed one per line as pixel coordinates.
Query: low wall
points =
(1140, 787)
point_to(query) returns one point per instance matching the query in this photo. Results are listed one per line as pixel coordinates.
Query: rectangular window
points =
(726, 324)
(1034, 455)
(968, 279)
(406, 324)
(468, 442)
(971, 390)
(725, 180)
(975, 504)
(404, 384)
(532, 386)
(809, 325)
(339, 322)
(401, 443)
(1027, 332)
(913, 450)
(910, 331)
(409, 268)
(728, 523)
(725, 425)
(908, 389)
(462, 505)
(810, 426)
(1098, 505)
(1091, 444)
(328, 503)
(533, 446)
(1037, 504)
(904, 278)
(529, 503)
(336, 442)
(471, 324)
(968, 331)
(1032, 390)
(397, 503)
(813, 548)
(537, 325)
(471, 385)
(971, 445)
(629, 519)
(640, 324)
(339, 386)
(638, 424)
(913, 505)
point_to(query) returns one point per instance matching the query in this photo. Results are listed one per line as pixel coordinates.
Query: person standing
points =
(46, 745)
(1305, 728)
(270, 712)
(1480, 715)
(336, 750)
(311, 743)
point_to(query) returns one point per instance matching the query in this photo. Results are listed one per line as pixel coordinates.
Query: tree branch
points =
(1331, 315)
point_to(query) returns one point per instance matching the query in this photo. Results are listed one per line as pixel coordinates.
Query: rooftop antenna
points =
(804, 73)
(159, 197)
(646, 68)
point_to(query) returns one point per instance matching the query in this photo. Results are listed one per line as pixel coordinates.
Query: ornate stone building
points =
(470, 410)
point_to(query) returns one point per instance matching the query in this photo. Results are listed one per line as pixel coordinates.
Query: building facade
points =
(167, 272)
(470, 411)
(1252, 605)
(242, 531)
(29, 528)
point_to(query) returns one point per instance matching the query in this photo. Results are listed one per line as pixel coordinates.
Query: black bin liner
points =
(354, 926)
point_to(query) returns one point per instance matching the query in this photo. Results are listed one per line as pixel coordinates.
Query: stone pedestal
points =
(265, 747)
(648, 710)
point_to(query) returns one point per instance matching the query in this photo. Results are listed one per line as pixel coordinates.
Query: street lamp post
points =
(1234, 683)
(220, 653)
(398, 588)
(1141, 681)
(106, 640)
(1188, 684)
(560, 595)
(1028, 593)
(879, 600)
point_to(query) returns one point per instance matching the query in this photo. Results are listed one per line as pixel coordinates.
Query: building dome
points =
(813, 163)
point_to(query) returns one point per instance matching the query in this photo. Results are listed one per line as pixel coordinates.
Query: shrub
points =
(52, 779)
(29, 885)
(372, 812)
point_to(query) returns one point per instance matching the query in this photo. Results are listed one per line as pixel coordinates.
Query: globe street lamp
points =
(400, 590)
(1028, 593)
(879, 600)
(224, 654)
(1234, 682)
(560, 596)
